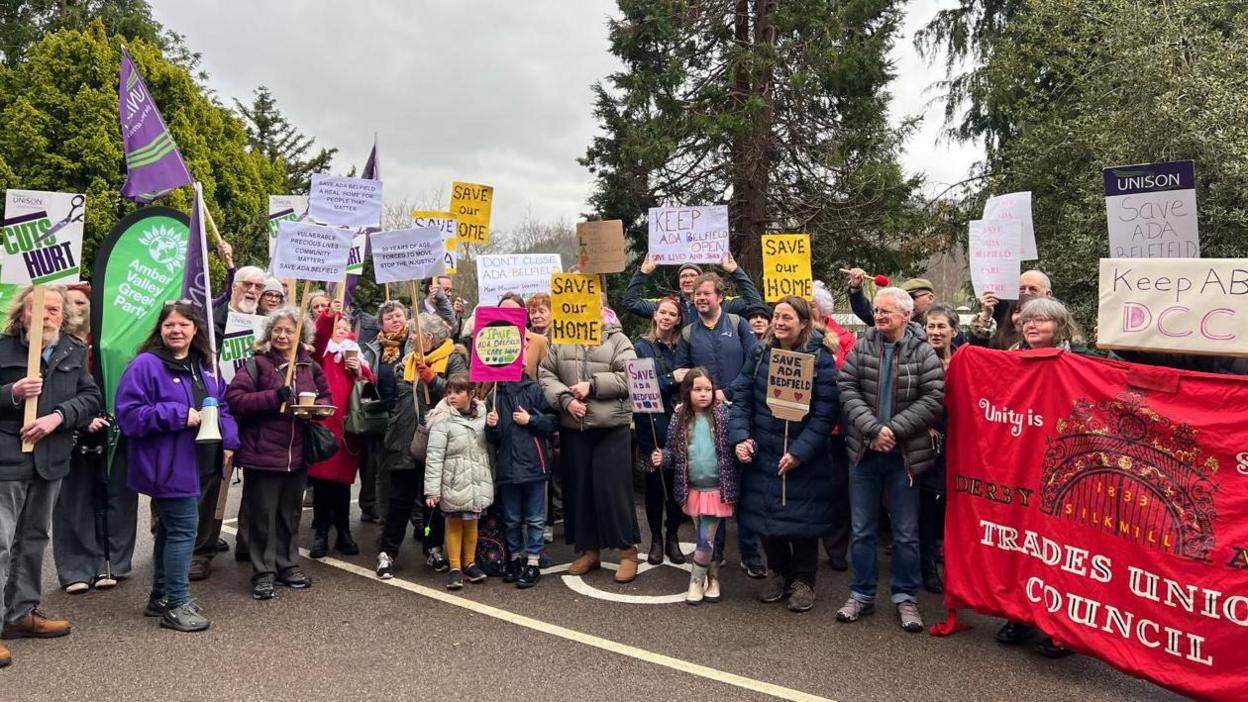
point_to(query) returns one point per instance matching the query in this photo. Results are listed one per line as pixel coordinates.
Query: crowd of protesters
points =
(442, 458)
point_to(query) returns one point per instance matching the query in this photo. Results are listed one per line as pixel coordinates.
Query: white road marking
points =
(578, 585)
(641, 654)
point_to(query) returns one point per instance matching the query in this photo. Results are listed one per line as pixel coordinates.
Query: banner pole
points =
(212, 223)
(34, 355)
(784, 479)
(294, 348)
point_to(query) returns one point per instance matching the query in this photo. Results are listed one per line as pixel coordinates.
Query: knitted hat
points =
(757, 311)
(694, 267)
(274, 285)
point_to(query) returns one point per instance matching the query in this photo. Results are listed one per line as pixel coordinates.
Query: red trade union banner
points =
(1106, 503)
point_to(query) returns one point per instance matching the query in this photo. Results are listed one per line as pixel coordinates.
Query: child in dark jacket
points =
(518, 428)
(705, 472)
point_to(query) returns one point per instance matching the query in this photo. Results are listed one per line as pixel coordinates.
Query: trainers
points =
(474, 574)
(853, 609)
(156, 607)
(911, 620)
(455, 580)
(437, 560)
(548, 534)
(295, 579)
(201, 568)
(803, 597)
(385, 566)
(77, 588)
(754, 567)
(529, 575)
(185, 617)
(775, 590)
(512, 573)
(104, 581)
(262, 588)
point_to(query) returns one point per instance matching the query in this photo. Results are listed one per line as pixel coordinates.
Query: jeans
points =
(747, 541)
(524, 517)
(178, 522)
(931, 525)
(876, 474)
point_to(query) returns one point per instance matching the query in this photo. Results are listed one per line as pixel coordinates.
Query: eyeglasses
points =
(184, 302)
(878, 312)
(252, 286)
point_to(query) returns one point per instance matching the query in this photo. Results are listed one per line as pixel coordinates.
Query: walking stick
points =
(102, 500)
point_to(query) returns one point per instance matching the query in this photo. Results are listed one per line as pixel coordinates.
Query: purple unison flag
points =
(154, 167)
(372, 171)
(196, 282)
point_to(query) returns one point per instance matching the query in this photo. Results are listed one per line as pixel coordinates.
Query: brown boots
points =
(587, 561)
(627, 571)
(35, 625)
(5, 657)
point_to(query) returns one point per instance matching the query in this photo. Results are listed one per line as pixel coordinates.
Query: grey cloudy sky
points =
(482, 91)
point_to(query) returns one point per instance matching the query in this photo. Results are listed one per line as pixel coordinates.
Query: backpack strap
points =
(734, 320)
(252, 370)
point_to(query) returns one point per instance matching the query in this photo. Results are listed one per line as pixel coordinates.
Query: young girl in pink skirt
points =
(705, 472)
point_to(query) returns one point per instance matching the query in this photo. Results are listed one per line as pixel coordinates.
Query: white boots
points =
(703, 584)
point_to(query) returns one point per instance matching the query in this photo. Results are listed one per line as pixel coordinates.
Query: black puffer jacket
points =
(410, 408)
(918, 395)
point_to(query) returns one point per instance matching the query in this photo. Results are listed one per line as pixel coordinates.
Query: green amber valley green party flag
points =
(137, 268)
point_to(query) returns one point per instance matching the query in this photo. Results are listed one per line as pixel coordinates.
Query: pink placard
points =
(498, 344)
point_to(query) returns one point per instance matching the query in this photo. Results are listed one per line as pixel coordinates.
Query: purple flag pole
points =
(154, 166)
(196, 281)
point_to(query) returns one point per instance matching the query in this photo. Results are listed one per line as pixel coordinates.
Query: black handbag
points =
(319, 443)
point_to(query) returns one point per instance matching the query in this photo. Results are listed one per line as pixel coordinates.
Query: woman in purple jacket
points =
(270, 449)
(158, 401)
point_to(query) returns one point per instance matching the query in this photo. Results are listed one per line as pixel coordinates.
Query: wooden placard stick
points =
(223, 496)
(784, 479)
(412, 289)
(294, 348)
(387, 292)
(34, 357)
(654, 434)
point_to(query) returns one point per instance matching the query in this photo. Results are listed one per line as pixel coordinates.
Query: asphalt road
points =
(353, 637)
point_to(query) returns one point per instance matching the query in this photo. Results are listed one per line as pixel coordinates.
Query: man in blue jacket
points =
(645, 307)
(720, 341)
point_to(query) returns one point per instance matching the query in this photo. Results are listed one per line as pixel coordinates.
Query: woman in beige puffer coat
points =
(588, 387)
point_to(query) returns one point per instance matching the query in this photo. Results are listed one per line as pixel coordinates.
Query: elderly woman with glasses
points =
(270, 449)
(423, 374)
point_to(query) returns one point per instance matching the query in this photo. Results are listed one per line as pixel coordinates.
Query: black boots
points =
(320, 543)
(674, 554)
(931, 578)
(655, 555)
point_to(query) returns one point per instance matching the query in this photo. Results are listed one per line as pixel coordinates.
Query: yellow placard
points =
(444, 221)
(470, 205)
(576, 309)
(786, 267)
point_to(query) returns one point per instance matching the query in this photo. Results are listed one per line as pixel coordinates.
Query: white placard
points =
(523, 274)
(284, 208)
(1178, 305)
(643, 386)
(680, 235)
(241, 331)
(42, 237)
(1015, 206)
(994, 257)
(312, 252)
(408, 254)
(1151, 210)
(345, 202)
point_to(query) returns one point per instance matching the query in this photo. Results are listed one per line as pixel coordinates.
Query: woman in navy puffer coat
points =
(790, 517)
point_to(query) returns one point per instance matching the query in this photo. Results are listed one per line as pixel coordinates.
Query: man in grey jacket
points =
(892, 388)
(67, 400)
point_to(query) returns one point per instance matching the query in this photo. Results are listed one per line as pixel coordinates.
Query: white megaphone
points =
(209, 422)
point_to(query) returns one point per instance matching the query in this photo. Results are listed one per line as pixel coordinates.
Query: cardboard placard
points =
(42, 237)
(498, 344)
(312, 252)
(345, 202)
(786, 267)
(643, 386)
(1151, 209)
(445, 223)
(523, 274)
(1183, 305)
(576, 309)
(1015, 206)
(600, 246)
(994, 258)
(408, 254)
(790, 383)
(470, 206)
(680, 235)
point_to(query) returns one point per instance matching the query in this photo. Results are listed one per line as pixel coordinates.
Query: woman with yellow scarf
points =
(432, 360)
